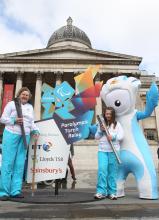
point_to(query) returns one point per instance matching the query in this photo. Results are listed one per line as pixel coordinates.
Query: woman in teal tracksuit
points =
(13, 149)
(107, 161)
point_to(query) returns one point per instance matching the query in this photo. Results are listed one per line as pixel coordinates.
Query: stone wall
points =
(85, 157)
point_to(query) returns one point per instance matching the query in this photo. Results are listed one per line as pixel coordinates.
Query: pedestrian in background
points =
(70, 165)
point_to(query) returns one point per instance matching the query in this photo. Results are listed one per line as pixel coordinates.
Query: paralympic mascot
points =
(120, 93)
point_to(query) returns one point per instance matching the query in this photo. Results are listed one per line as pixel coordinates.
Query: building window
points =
(151, 134)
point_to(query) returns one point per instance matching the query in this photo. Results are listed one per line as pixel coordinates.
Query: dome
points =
(69, 33)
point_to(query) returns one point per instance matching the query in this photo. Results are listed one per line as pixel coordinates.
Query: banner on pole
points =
(7, 95)
(52, 153)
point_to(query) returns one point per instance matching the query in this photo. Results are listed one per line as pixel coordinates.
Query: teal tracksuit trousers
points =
(107, 173)
(13, 159)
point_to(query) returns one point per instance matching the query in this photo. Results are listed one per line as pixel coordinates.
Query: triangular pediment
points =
(69, 52)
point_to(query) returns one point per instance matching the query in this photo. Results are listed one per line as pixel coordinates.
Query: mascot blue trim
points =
(144, 149)
(151, 102)
(129, 166)
(93, 130)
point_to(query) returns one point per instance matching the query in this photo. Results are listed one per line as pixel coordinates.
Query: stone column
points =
(140, 105)
(1, 89)
(19, 82)
(37, 102)
(76, 73)
(98, 107)
(58, 77)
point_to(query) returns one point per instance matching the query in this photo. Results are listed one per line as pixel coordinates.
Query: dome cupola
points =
(69, 35)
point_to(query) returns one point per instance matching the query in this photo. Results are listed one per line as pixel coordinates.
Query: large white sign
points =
(51, 155)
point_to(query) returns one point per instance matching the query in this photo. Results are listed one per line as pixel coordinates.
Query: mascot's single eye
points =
(117, 103)
(119, 99)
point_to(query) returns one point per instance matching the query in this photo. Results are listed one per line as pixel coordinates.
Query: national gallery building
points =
(68, 53)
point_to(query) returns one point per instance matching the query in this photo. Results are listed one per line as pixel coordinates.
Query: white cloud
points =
(124, 26)
(11, 41)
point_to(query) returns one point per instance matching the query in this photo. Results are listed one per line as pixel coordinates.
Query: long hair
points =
(22, 90)
(113, 120)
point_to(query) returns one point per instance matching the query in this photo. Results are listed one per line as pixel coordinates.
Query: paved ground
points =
(129, 207)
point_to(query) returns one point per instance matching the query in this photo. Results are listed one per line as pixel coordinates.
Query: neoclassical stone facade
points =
(68, 53)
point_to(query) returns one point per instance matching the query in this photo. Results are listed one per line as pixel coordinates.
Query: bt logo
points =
(46, 146)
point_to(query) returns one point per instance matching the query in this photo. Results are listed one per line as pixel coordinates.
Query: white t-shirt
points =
(117, 134)
(10, 114)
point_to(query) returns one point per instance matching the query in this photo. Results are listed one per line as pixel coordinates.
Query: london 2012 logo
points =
(46, 146)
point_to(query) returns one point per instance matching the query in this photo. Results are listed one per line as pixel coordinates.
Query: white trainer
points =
(99, 196)
(112, 197)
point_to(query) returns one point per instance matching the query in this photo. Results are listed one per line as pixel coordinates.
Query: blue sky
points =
(122, 26)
